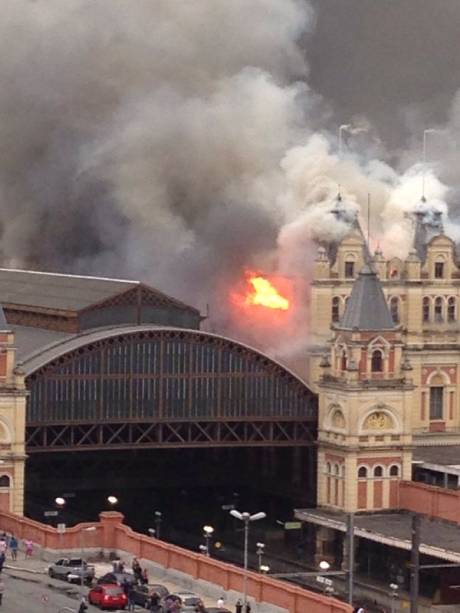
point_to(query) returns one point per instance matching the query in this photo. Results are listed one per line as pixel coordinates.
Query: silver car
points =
(72, 570)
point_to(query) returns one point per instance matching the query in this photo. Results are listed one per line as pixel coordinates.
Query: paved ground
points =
(29, 589)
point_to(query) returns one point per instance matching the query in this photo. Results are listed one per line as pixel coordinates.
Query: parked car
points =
(72, 570)
(116, 578)
(108, 596)
(189, 601)
(142, 593)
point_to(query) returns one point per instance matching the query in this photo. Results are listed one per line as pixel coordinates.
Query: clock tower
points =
(365, 402)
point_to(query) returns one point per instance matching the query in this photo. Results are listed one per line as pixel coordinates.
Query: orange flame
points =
(264, 293)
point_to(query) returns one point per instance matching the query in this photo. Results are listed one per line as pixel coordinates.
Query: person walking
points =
(137, 570)
(131, 601)
(154, 602)
(144, 577)
(2, 589)
(248, 608)
(29, 548)
(220, 603)
(14, 547)
(239, 606)
(83, 606)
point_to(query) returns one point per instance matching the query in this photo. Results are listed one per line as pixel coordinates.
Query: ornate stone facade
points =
(12, 425)
(383, 391)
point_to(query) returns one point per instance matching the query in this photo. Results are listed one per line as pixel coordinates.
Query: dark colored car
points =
(142, 593)
(108, 596)
(117, 578)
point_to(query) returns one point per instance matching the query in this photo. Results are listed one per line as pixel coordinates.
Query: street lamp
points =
(260, 552)
(246, 518)
(60, 501)
(207, 533)
(393, 595)
(88, 529)
(264, 568)
(158, 518)
(113, 500)
(151, 531)
(327, 583)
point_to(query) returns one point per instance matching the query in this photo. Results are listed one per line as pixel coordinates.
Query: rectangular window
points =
(349, 270)
(436, 401)
(439, 270)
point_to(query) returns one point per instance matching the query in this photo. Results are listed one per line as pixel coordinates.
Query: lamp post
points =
(246, 518)
(328, 586)
(158, 519)
(207, 533)
(89, 529)
(393, 595)
(264, 568)
(260, 552)
(112, 500)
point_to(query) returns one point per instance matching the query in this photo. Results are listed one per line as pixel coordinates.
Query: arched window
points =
(328, 468)
(378, 471)
(335, 309)
(394, 470)
(349, 270)
(438, 304)
(451, 309)
(439, 270)
(377, 361)
(362, 472)
(426, 309)
(436, 402)
(4, 481)
(394, 309)
(336, 469)
(343, 361)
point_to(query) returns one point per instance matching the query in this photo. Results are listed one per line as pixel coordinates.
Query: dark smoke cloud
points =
(180, 142)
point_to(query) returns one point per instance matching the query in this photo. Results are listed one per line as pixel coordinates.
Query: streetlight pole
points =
(158, 518)
(260, 553)
(89, 529)
(393, 594)
(207, 533)
(246, 518)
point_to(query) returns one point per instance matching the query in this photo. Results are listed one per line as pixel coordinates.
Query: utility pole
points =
(415, 563)
(351, 554)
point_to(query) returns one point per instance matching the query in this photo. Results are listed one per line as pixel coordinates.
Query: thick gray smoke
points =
(179, 142)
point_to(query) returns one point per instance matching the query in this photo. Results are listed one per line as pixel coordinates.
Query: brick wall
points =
(111, 533)
(433, 501)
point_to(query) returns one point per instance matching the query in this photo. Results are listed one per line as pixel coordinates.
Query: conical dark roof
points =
(366, 308)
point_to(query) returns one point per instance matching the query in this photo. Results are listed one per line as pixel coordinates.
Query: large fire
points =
(260, 291)
(265, 294)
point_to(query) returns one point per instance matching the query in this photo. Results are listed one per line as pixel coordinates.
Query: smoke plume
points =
(179, 142)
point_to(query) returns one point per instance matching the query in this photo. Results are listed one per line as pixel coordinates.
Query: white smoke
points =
(179, 142)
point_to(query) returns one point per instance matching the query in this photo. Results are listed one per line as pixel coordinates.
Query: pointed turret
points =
(428, 223)
(366, 308)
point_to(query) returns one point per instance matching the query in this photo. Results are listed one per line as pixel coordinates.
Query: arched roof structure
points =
(134, 386)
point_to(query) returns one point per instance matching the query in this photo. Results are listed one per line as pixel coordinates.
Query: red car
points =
(108, 596)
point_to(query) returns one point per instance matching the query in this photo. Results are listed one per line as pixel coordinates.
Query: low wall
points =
(110, 533)
(430, 500)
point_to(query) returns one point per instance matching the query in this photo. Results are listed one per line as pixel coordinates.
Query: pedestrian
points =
(137, 570)
(14, 547)
(144, 577)
(154, 601)
(2, 589)
(220, 603)
(116, 565)
(29, 548)
(2, 560)
(199, 607)
(83, 606)
(131, 601)
(239, 606)
(248, 608)
(3, 544)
